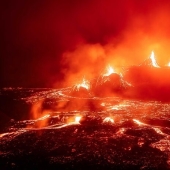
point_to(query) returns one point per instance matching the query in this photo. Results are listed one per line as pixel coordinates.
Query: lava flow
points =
(84, 84)
(113, 120)
(154, 63)
(110, 70)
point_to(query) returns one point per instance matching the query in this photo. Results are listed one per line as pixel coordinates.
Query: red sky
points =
(47, 42)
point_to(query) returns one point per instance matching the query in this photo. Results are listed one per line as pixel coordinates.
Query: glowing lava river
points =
(44, 130)
(112, 122)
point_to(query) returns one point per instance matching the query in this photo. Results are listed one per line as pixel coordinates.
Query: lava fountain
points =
(101, 122)
(154, 63)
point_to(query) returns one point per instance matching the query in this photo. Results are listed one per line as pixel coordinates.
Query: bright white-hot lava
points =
(77, 119)
(154, 63)
(108, 120)
(120, 131)
(139, 122)
(85, 84)
(44, 117)
(158, 130)
(110, 70)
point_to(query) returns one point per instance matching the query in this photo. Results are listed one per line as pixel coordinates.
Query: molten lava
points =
(154, 63)
(77, 119)
(139, 122)
(85, 84)
(110, 70)
(108, 120)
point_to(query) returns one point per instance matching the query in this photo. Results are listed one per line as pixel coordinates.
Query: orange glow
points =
(12, 133)
(139, 122)
(77, 119)
(157, 130)
(44, 117)
(131, 48)
(152, 57)
(110, 70)
(141, 142)
(72, 121)
(108, 120)
(103, 104)
(85, 84)
(5, 134)
(120, 131)
(169, 64)
(125, 54)
(36, 110)
(39, 115)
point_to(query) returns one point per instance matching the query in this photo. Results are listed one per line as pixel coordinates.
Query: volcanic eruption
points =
(80, 89)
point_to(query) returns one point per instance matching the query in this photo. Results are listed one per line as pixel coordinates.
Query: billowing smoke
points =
(137, 29)
(48, 43)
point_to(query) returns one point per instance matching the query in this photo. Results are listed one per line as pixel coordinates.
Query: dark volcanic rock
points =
(80, 147)
(137, 138)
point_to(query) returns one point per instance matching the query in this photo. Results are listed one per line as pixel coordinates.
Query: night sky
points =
(47, 43)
